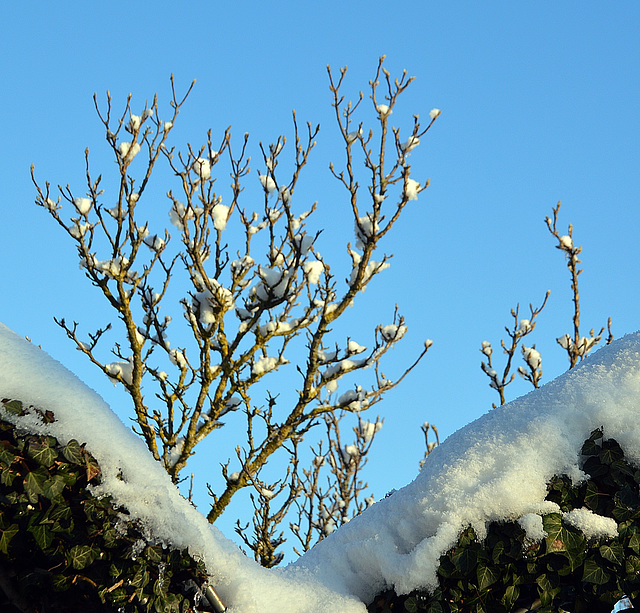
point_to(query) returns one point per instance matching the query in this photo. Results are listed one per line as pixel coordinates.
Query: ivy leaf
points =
(13, 406)
(511, 594)
(611, 453)
(634, 542)
(6, 457)
(632, 565)
(59, 512)
(592, 496)
(6, 534)
(34, 484)
(497, 552)
(93, 469)
(153, 554)
(465, 560)
(81, 556)
(613, 552)
(43, 535)
(411, 605)
(42, 452)
(486, 576)
(7, 476)
(552, 524)
(73, 452)
(593, 573)
(590, 448)
(594, 467)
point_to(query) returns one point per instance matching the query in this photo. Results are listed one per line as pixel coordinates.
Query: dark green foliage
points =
(62, 549)
(506, 572)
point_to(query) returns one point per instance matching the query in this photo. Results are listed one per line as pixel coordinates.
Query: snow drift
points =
(495, 468)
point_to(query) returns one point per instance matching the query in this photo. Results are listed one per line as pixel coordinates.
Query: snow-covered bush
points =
(581, 553)
(63, 549)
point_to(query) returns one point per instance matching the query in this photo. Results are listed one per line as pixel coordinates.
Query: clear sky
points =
(539, 104)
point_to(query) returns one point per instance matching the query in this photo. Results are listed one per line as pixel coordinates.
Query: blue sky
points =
(539, 104)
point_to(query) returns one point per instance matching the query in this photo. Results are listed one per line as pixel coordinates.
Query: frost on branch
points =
(251, 286)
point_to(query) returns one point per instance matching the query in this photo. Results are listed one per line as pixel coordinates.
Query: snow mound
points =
(493, 469)
(30, 375)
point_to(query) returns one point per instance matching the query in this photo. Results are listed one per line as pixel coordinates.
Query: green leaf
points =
(613, 552)
(40, 450)
(43, 535)
(141, 578)
(14, 407)
(53, 488)
(7, 476)
(610, 453)
(7, 458)
(595, 468)
(511, 594)
(410, 604)
(153, 554)
(486, 576)
(59, 512)
(498, 552)
(60, 582)
(81, 556)
(590, 448)
(73, 452)
(34, 484)
(634, 542)
(593, 573)
(6, 535)
(592, 496)
(465, 560)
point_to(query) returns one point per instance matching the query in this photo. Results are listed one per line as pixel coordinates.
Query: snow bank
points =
(28, 374)
(495, 468)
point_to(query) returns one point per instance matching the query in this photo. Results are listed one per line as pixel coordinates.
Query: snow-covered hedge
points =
(64, 549)
(581, 553)
(489, 480)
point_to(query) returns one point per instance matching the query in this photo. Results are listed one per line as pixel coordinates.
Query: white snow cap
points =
(139, 483)
(496, 468)
(411, 188)
(83, 205)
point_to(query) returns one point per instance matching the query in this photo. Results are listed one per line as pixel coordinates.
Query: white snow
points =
(83, 205)
(220, 214)
(313, 269)
(592, 525)
(268, 183)
(129, 150)
(27, 373)
(531, 523)
(202, 167)
(410, 144)
(411, 188)
(566, 243)
(493, 469)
